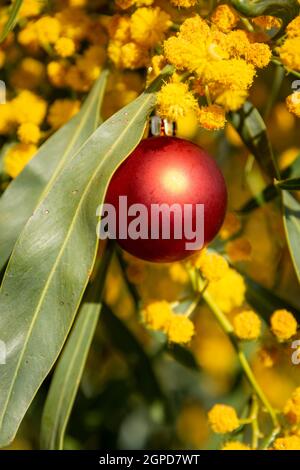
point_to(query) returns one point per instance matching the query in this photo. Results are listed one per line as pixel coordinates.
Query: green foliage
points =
(24, 193)
(12, 20)
(291, 218)
(286, 10)
(252, 130)
(69, 370)
(53, 259)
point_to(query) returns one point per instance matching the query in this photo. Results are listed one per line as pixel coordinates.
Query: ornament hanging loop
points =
(162, 127)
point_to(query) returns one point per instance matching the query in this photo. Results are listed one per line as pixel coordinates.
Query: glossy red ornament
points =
(169, 170)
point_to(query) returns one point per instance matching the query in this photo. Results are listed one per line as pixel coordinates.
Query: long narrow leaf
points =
(271, 192)
(68, 373)
(13, 17)
(291, 219)
(23, 194)
(138, 361)
(252, 130)
(265, 301)
(50, 266)
(290, 184)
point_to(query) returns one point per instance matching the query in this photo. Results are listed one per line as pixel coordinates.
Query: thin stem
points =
(227, 327)
(270, 438)
(247, 24)
(254, 422)
(207, 95)
(276, 61)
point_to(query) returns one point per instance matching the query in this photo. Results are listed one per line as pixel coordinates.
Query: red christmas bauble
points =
(168, 170)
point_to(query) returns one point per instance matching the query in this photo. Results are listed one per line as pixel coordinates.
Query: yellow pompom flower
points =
(28, 37)
(293, 103)
(77, 80)
(91, 62)
(30, 8)
(149, 25)
(232, 100)
(29, 74)
(62, 111)
(17, 158)
(29, 133)
(283, 324)
(56, 72)
(235, 445)
(128, 56)
(225, 18)
(258, 54)
(287, 443)
(48, 30)
(184, 3)
(289, 53)
(212, 265)
(180, 329)
(291, 409)
(7, 118)
(224, 295)
(119, 28)
(29, 107)
(65, 47)
(293, 28)
(212, 117)
(174, 100)
(157, 315)
(223, 419)
(233, 74)
(247, 325)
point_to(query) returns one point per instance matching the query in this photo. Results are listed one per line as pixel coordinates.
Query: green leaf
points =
(23, 194)
(136, 358)
(252, 130)
(53, 258)
(264, 301)
(291, 219)
(286, 10)
(13, 18)
(68, 372)
(183, 355)
(290, 183)
(271, 192)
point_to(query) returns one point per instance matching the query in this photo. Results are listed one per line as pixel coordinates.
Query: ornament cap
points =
(161, 127)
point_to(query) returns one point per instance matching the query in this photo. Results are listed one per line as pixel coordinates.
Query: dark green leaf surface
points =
(291, 219)
(270, 192)
(290, 183)
(136, 358)
(52, 260)
(23, 194)
(264, 301)
(68, 372)
(252, 130)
